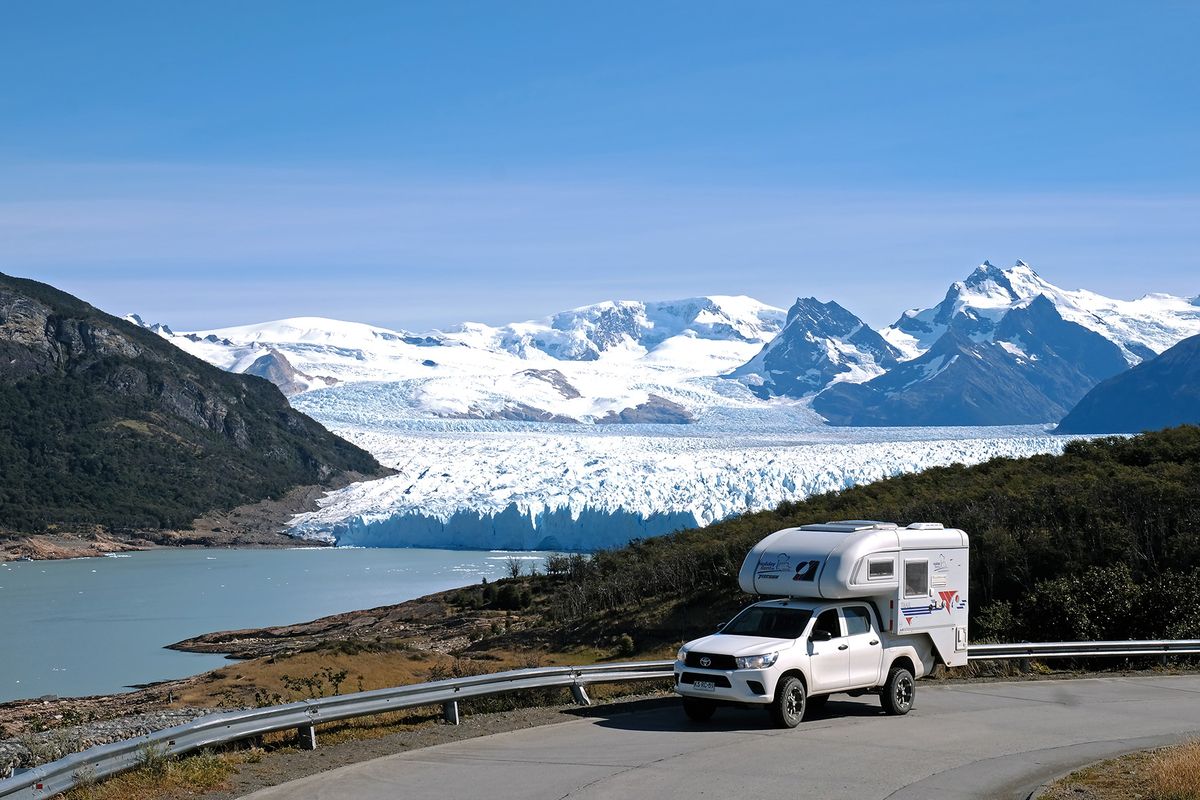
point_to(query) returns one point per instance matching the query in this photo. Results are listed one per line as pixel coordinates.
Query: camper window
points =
(916, 578)
(881, 569)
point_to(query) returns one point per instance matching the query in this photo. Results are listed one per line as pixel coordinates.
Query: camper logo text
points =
(769, 566)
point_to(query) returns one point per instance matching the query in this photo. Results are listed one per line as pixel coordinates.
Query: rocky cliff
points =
(105, 424)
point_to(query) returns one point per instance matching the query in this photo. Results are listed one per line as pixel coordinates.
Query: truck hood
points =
(731, 645)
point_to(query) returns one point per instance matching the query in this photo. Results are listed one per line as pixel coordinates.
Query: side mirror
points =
(821, 636)
(721, 626)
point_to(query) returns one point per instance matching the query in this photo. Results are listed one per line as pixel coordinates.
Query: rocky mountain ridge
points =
(104, 423)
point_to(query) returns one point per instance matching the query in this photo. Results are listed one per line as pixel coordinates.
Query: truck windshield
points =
(770, 621)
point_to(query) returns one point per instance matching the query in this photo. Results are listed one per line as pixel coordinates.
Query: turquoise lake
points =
(99, 625)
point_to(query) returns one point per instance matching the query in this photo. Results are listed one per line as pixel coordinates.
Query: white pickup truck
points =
(866, 607)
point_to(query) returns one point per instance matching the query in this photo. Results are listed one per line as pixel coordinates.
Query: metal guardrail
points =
(102, 761)
(230, 726)
(1148, 647)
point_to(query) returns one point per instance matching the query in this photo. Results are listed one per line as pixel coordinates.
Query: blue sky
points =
(414, 164)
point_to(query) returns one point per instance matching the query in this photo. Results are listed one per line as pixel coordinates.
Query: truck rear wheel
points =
(698, 710)
(790, 700)
(899, 691)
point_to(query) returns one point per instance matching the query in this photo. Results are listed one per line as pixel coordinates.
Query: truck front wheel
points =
(899, 691)
(790, 699)
(698, 710)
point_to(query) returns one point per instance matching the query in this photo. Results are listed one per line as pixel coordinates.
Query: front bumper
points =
(730, 685)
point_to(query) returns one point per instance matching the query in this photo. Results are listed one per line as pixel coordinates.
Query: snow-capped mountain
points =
(613, 362)
(821, 344)
(1034, 367)
(1142, 328)
(631, 328)
(1034, 350)
(1005, 346)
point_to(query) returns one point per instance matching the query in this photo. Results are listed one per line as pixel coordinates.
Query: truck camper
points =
(857, 607)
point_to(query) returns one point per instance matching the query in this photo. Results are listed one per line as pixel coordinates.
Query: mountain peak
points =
(819, 344)
(158, 327)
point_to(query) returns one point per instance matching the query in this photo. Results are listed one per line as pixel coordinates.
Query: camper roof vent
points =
(851, 526)
(926, 526)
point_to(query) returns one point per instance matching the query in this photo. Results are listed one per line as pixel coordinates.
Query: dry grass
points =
(1175, 773)
(161, 777)
(1169, 773)
(239, 683)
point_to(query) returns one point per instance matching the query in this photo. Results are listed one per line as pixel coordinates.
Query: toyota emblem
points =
(706, 662)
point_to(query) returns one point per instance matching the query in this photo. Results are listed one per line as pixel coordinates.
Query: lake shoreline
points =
(254, 525)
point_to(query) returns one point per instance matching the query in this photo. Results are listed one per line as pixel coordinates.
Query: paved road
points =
(997, 740)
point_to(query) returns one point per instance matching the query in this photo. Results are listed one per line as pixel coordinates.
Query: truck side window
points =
(858, 620)
(828, 621)
(916, 578)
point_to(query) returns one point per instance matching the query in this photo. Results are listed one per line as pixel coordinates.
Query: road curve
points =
(990, 740)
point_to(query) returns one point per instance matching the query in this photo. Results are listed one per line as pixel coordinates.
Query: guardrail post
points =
(450, 712)
(580, 696)
(307, 735)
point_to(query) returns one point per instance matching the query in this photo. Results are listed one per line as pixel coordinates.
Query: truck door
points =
(866, 650)
(829, 661)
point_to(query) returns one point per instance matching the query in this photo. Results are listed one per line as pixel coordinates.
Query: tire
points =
(698, 710)
(787, 709)
(816, 704)
(898, 692)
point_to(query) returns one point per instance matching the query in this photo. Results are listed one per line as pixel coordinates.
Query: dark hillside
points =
(1158, 393)
(103, 423)
(1102, 541)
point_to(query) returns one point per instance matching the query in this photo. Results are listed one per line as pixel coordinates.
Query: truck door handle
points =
(874, 641)
(843, 647)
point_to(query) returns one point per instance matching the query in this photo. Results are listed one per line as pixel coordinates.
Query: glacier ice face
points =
(478, 484)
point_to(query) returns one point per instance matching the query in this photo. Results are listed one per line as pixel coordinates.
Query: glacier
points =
(496, 434)
(491, 485)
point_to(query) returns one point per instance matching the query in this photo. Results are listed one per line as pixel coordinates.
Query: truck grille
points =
(714, 661)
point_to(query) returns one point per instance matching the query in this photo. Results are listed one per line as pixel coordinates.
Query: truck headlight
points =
(681, 655)
(756, 662)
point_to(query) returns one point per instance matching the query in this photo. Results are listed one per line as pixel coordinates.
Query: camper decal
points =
(947, 601)
(772, 567)
(806, 570)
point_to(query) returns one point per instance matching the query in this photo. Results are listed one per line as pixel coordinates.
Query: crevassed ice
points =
(491, 485)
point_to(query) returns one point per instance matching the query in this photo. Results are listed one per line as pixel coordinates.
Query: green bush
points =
(1101, 541)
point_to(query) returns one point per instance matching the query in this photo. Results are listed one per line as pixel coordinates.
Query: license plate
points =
(704, 686)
